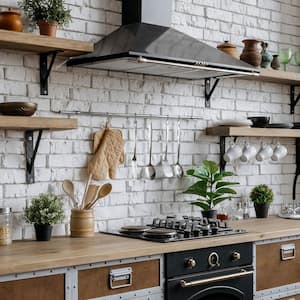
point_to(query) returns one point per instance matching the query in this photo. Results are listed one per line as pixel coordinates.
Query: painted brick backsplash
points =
(64, 155)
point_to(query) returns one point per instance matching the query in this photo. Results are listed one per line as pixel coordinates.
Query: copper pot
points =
(229, 49)
(47, 28)
(11, 20)
(251, 54)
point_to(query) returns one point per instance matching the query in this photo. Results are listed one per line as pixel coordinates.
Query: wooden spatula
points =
(90, 195)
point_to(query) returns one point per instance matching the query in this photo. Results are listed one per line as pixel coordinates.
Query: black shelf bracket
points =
(297, 167)
(30, 153)
(45, 70)
(209, 90)
(293, 98)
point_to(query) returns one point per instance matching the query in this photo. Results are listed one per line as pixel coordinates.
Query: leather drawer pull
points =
(288, 252)
(123, 275)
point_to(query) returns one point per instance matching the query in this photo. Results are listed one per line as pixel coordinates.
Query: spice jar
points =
(5, 226)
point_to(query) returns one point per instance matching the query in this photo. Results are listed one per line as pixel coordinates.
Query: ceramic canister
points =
(11, 20)
(82, 222)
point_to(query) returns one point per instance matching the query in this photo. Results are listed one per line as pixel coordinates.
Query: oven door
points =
(233, 284)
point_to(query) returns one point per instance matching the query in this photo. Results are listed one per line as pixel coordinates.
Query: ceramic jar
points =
(266, 58)
(251, 53)
(11, 20)
(275, 64)
(229, 49)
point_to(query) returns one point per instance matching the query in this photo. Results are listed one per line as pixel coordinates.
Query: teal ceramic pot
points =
(266, 57)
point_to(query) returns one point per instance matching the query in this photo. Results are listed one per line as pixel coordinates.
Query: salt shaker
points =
(5, 226)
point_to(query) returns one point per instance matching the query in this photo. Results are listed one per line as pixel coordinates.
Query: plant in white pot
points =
(47, 14)
(211, 188)
(44, 211)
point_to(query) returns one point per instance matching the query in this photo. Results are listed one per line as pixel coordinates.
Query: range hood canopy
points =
(143, 44)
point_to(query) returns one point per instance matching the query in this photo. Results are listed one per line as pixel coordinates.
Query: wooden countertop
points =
(26, 256)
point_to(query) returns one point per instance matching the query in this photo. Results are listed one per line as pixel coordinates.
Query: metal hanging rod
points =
(128, 115)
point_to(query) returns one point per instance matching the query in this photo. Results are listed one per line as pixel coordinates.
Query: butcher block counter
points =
(26, 256)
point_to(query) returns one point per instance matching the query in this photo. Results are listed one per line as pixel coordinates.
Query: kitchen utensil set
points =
(92, 195)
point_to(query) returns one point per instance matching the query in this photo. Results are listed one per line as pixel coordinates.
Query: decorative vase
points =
(251, 53)
(47, 28)
(266, 58)
(11, 20)
(261, 210)
(275, 64)
(43, 232)
(229, 49)
(209, 214)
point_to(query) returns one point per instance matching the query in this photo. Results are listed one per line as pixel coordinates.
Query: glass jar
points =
(5, 226)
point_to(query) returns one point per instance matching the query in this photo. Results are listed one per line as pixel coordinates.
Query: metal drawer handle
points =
(243, 272)
(288, 252)
(118, 275)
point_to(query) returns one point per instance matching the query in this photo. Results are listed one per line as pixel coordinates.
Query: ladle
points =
(149, 169)
(177, 167)
(133, 161)
(167, 169)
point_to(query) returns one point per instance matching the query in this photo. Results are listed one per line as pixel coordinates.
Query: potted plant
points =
(47, 14)
(44, 211)
(262, 196)
(211, 188)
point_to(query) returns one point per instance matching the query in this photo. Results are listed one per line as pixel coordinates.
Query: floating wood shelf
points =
(250, 131)
(43, 44)
(36, 123)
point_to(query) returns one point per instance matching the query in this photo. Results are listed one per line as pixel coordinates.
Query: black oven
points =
(219, 273)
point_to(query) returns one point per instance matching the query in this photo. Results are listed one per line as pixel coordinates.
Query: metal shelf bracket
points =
(30, 153)
(293, 98)
(209, 90)
(45, 70)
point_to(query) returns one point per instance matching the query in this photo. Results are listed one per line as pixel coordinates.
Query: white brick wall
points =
(65, 154)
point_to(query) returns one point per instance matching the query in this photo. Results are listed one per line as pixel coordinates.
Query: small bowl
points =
(18, 108)
(260, 122)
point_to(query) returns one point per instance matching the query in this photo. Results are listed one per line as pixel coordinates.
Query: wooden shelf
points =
(43, 44)
(36, 123)
(255, 132)
(277, 76)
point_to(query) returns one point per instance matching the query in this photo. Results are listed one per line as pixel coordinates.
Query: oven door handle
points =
(243, 272)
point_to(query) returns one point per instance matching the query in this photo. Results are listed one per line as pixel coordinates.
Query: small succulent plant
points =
(261, 194)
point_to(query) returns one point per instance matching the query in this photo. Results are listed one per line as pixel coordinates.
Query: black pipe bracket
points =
(30, 153)
(209, 90)
(45, 70)
(293, 98)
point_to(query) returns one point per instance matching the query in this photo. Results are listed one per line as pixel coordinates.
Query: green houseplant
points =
(262, 196)
(44, 211)
(47, 14)
(211, 188)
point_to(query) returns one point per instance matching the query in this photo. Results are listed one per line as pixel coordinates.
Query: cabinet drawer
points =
(46, 288)
(99, 282)
(293, 297)
(277, 264)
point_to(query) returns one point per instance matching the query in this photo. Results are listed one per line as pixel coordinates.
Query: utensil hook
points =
(108, 119)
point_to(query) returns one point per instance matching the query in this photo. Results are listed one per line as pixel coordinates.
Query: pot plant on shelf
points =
(211, 188)
(47, 14)
(262, 196)
(44, 211)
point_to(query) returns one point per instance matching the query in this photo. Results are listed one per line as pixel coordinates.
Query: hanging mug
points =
(264, 153)
(233, 152)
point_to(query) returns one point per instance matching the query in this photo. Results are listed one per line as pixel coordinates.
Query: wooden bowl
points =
(18, 108)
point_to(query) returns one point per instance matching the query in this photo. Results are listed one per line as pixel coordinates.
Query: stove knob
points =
(190, 263)
(235, 256)
(214, 260)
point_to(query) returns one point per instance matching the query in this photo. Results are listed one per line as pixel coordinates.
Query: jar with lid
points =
(5, 226)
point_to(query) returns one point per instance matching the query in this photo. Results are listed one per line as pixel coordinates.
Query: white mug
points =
(279, 152)
(264, 153)
(233, 152)
(249, 151)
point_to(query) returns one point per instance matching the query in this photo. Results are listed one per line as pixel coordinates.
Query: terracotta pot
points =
(251, 53)
(261, 210)
(47, 28)
(229, 49)
(11, 20)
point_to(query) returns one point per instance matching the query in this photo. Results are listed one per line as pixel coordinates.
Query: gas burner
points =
(171, 229)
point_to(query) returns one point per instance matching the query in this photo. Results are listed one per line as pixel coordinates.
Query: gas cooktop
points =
(172, 229)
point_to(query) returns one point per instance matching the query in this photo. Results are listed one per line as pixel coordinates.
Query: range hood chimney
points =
(146, 44)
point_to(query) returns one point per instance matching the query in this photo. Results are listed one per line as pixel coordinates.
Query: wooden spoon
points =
(91, 194)
(68, 188)
(102, 192)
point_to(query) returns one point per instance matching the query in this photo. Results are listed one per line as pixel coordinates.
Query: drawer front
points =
(98, 282)
(293, 297)
(277, 264)
(45, 288)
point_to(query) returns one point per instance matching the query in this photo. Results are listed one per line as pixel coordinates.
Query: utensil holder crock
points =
(82, 222)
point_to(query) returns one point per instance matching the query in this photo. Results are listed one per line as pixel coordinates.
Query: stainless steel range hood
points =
(144, 44)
